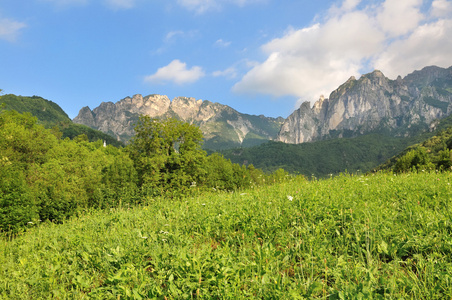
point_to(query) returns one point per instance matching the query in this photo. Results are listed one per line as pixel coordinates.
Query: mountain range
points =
(222, 126)
(371, 104)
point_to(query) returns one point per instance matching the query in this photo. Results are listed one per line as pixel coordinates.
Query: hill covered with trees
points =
(51, 115)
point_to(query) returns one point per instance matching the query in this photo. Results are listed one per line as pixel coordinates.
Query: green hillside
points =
(431, 152)
(51, 115)
(47, 112)
(322, 158)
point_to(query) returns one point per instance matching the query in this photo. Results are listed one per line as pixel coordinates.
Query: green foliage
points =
(48, 178)
(324, 157)
(43, 177)
(167, 155)
(436, 103)
(17, 206)
(348, 237)
(50, 115)
(46, 111)
(72, 130)
(432, 154)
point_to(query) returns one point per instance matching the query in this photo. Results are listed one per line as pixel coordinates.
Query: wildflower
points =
(193, 184)
(203, 204)
(290, 198)
(30, 222)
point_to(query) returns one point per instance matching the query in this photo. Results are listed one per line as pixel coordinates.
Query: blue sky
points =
(257, 56)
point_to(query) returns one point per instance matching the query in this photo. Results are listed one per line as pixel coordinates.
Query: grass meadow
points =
(379, 236)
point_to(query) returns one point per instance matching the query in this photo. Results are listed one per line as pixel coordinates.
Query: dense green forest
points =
(44, 176)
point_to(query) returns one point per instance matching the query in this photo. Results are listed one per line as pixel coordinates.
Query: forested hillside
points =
(50, 115)
(323, 158)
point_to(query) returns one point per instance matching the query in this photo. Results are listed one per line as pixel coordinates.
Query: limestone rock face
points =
(374, 103)
(222, 126)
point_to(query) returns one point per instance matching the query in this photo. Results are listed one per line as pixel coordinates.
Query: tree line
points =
(46, 177)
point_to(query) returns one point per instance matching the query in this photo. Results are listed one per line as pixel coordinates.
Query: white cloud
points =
(228, 73)
(394, 36)
(222, 44)
(9, 29)
(314, 60)
(398, 17)
(441, 8)
(176, 72)
(430, 44)
(170, 35)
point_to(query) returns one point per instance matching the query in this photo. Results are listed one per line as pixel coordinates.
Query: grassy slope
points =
(379, 236)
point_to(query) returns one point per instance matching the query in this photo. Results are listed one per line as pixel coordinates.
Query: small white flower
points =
(203, 204)
(30, 222)
(290, 198)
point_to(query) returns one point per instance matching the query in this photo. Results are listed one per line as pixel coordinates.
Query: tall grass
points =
(362, 237)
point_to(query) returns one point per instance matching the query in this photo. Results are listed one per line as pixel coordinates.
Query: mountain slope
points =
(321, 158)
(374, 103)
(222, 126)
(51, 114)
(434, 151)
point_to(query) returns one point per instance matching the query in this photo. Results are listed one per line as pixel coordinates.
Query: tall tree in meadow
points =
(167, 155)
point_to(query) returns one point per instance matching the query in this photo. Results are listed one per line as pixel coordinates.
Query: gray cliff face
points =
(222, 126)
(374, 103)
(118, 119)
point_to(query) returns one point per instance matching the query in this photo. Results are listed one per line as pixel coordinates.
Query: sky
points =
(257, 56)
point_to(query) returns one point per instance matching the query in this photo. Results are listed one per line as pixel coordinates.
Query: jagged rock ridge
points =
(222, 126)
(374, 103)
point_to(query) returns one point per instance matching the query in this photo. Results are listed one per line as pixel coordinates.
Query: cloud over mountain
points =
(177, 72)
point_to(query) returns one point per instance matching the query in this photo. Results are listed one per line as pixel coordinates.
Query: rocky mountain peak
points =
(374, 103)
(186, 108)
